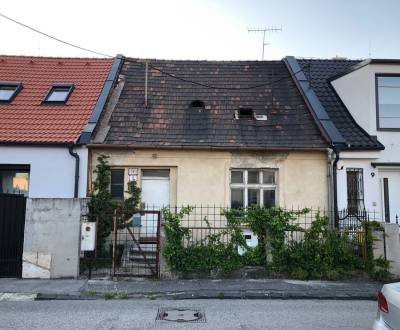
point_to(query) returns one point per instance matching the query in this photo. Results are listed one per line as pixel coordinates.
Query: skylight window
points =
(244, 113)
(8, 90)
(59, 93)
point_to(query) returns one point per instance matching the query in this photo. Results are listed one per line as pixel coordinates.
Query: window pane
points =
(156, 173)
(253, 197)
(269, 198)
(269, 177)
(389, 102)
(12, 182)
(236, 177)
(117, 183)
(253, 177)
(58, 95)
(6, 93)
(237, 198)
(389, 81)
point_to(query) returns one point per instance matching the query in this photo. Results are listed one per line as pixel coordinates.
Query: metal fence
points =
(133, 248)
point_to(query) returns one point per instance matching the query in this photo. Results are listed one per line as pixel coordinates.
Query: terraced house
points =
(362, 98)
(225, 133)
(48, 110)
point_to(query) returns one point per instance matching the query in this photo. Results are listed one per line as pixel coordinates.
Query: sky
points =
(204, 29)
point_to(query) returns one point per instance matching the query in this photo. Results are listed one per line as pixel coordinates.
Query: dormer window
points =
(8, 90)
(59, 93)
(244, 113)
(197, 104)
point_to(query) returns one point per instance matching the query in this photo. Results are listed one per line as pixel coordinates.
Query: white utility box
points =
(251, 240)
(88, 236)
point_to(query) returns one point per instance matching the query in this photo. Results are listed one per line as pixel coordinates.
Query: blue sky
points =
(206, 29)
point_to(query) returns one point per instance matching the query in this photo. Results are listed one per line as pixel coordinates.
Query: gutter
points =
(334, 179)
(76, 182)
(194, 147)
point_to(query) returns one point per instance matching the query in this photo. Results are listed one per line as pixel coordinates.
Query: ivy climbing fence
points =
(134, 248)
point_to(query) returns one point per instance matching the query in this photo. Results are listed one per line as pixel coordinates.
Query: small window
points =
(197, 104)
(59, 93)
(244, 113)
(355, 190)
(117, 183)
(14, 179)
(253, 187)
(8, 90)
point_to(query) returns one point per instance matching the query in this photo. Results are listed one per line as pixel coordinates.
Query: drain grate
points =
(181, 315)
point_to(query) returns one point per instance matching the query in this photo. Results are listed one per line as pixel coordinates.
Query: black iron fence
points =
(133, 248)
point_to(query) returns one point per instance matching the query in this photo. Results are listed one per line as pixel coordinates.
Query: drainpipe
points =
(334, 172)
(76, 156)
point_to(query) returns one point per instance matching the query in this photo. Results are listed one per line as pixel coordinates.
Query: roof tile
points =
(27, 120)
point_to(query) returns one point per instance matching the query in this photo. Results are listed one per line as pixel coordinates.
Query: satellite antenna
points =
(264, 31)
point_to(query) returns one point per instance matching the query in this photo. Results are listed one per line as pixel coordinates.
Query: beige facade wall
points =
(203, 177)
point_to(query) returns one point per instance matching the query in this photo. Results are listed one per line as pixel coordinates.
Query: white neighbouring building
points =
(362, 99)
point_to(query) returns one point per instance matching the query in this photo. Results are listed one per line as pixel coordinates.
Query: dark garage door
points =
(12, 223)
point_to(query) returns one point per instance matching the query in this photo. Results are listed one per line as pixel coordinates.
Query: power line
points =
(142, 63)
(54, 38)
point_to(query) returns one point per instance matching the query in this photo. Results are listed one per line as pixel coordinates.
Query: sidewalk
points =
(189, 289)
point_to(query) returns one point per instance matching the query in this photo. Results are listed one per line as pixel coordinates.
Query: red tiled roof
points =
(26, 119)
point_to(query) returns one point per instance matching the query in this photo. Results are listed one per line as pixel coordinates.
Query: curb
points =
(52, 296)
(185, 295)
(248, 294)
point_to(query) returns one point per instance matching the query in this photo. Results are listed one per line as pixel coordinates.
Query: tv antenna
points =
(264, 31)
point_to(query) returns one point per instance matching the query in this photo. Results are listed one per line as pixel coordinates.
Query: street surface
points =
(220, 314)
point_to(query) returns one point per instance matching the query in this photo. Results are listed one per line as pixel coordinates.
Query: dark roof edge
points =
(206, 148)
(102, 100)
(321, 117)
(35, 144)
(353, 68)
(362, 64)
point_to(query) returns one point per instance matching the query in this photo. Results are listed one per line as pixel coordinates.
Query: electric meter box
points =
(88, 236)
(251, 240)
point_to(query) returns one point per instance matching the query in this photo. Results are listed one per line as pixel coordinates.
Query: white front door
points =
(390, 187)
(155, 195)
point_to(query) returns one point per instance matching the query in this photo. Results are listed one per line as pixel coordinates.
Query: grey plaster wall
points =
(52, 237)
(390, 244)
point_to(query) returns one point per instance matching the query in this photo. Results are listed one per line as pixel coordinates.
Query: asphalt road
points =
(220, 314)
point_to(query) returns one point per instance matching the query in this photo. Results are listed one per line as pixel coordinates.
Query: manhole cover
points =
(181, 315)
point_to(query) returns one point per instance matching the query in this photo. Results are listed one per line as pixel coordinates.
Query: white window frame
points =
(260, 186)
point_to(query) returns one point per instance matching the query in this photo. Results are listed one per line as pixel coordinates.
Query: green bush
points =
(321, 253)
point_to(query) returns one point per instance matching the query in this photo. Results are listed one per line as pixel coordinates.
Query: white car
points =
(388, 316)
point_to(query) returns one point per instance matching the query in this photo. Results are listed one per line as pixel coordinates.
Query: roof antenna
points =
(145, 83)
(369, 48)
(264, 30)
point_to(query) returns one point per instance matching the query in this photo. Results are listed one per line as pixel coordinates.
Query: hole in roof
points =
(244, 113)
(197, 104)
(59, 93)
(8, 90)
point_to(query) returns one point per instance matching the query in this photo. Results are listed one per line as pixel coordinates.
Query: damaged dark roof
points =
(319, 72)
(168, 121)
